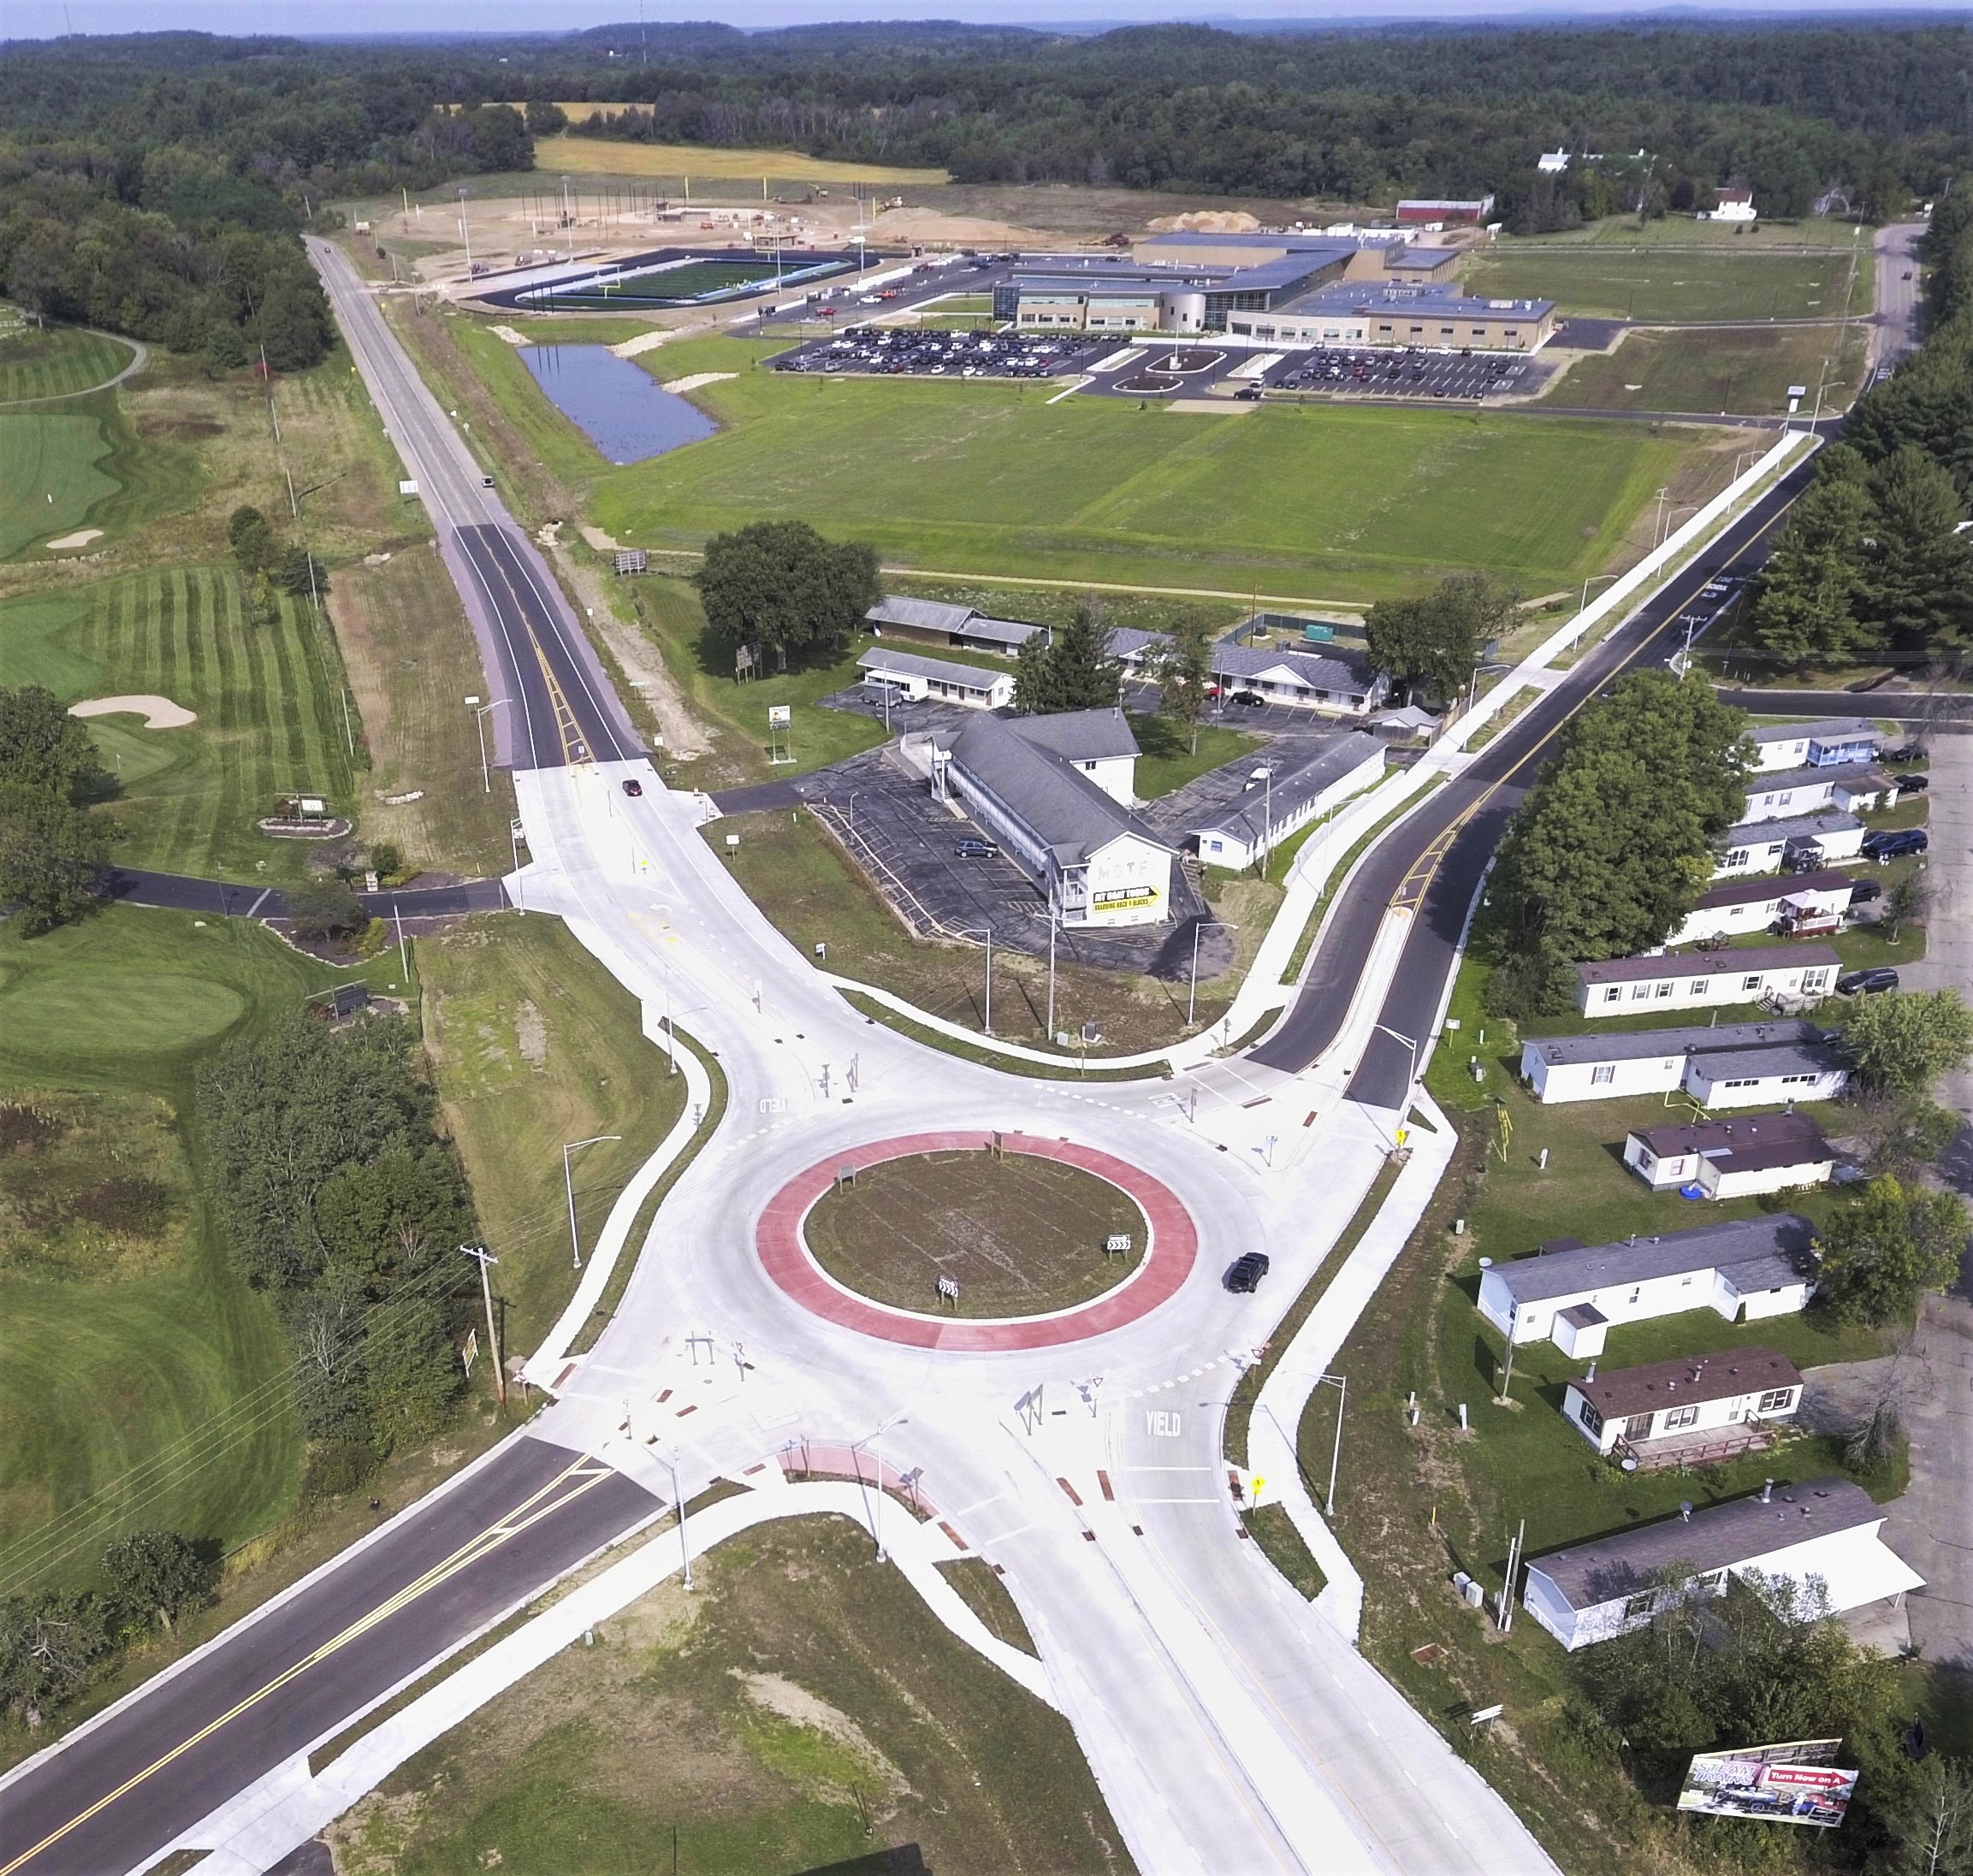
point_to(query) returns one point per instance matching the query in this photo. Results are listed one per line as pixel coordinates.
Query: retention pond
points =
(615, 403)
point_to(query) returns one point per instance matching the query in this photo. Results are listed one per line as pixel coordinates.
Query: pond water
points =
(615, 403)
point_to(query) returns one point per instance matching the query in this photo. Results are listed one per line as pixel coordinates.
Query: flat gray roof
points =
(1641, 1044)
(1788, 1058)
(1732, 1245)
(973, 677)
(1750, 957)
(1756, 833)
(1245, 814)
(1608, 1569)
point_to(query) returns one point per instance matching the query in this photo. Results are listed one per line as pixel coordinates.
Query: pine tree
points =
(1807, 611)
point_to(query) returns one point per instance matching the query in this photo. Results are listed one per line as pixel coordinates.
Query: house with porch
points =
(1696, 1410)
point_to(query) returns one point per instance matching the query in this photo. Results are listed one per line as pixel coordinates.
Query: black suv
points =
(1247, 1272)
(1879, 977)
(1895, 841)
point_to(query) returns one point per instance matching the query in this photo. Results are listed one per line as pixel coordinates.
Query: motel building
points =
(1693, 1411)
(1740, 1158)
(1823, 1535)
(1743, 1269)
(1752, 1064)
(937, 680)
(1630, 986)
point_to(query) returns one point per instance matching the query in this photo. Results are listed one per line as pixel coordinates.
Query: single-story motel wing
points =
(1743, 1269)
(918, 679)
(1298, 790)
(1824, 1534)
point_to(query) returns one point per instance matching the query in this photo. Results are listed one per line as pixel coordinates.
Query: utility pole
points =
(1507, 1601)
(569, 1186)
(403, 949)
(481, 1256)
(1052, 925)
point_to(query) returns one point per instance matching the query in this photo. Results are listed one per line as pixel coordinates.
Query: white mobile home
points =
(919, 680)
(1853, 787)
(1669, 1408)
(1742, 1270)
(1606, 1065)
(1824, 1531)
(1826, 744)
(1741, 905)
(1765, 846)
(1630, 986)
(1738, 1078)
(1732, 1159)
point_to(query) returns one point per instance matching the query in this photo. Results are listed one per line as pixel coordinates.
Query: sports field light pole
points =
(569, 1186)
(1204, 925)
(481, 712)
(987, 1026)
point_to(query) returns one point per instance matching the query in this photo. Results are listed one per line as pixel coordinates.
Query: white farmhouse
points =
(1732, 1159)
(1675, 1412)
(1742, 1268)
(1605, 1065)
(1823, 1532)
(1631, 987)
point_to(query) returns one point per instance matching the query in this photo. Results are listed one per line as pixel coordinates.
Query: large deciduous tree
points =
(780, 584)
(1615, 841)
(1886, 1250)
(1431, 643)
(1900, 1042)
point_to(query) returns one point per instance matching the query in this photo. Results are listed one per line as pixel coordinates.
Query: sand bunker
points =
(697, 379)
(80, 538)
(158, 713)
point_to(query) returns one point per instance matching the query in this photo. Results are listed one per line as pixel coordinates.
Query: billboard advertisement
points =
(1797, 1781)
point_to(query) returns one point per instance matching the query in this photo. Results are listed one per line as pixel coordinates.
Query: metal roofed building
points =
(1763, 846)
(1431, 315)
(1826, 742)
(1718, 1405)
(1096, 862)
(1271, 811)
(1607, 1066)
(964, 628)
(921, 679)
(1738, 1158)
(1444, 209)
(1743, 1269)
(1825, 1531)
(1629, 986)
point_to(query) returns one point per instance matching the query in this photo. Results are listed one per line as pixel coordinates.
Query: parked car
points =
(1894, 843)
(1879, 977)
(632, 785)
(1247, 1272)
(1864, 890)
(975, 849)
(1913, 785)
(1249, 393)
(1251, 699)
(1907, 752)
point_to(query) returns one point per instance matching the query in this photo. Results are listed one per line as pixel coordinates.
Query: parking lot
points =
(907, 844)
(895, 351)
(1411, 373)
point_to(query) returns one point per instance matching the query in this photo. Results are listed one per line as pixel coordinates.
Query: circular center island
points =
(1020, 1234)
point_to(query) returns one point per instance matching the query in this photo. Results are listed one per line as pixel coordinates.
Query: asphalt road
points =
(174, 892)
(1437, 861)
(112, 1797)
(560, 705)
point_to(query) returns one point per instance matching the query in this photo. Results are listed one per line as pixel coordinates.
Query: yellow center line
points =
(482, 1544)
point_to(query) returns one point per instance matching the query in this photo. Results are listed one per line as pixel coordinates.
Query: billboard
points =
(1797, 1781)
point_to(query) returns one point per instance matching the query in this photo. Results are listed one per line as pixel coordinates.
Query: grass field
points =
(56, 362)
(1021, 1235)
(1169, 760)
(596, 156)
(1740, 372)
(122, 1327)
(1332, 503)
(535, 1045)
(269, 720)
(1682, 231)
(799, 1711)
(1669, 287)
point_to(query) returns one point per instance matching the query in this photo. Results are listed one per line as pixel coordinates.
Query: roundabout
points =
(857, 1237)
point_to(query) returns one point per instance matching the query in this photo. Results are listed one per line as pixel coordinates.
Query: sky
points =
(33, 18)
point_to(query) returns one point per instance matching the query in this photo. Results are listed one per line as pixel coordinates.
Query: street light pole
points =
(1053, 922)
(1204, 925)
(1340, 1383)
(1400, 1036)
(986, 1025)
(481, 712)
(465, 233)
(1584, 606)
(679, 1498)
(569, 1186)
(877, 1439)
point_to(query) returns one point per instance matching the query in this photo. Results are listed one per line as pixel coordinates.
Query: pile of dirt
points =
(1206, 222)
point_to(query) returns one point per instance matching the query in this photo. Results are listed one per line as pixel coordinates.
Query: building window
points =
(1640, 993)
(1636, 1291)
(1812, 981)
(1602, 1074)
(1590, 1418)
(1776, 1401)
(1614, 994)
(1664, 989)
(1637, 1606)
(1701, 985)
(1752, 982)
(1676, 1418)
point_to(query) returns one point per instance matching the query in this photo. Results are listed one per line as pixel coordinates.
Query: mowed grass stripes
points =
(57, 363)
(271, 720)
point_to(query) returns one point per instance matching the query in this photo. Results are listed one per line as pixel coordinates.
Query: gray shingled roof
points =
(1717, 1376)
(1606, 1569)
(1078, 736)
(977, 677)
(920, 615)
(1751, 957)
(1768, 886)
(1824, 729)
(1737, 1246)
(1641, 1044)
(1807, 1058)
(1847, 774)
(1761, 833)
(1245, 816)
(1320, 671)
(1063, 807)
(1001, 631)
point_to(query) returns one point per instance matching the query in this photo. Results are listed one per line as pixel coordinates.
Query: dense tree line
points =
(52, 848)
(1614, 842)
(342, 1202)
